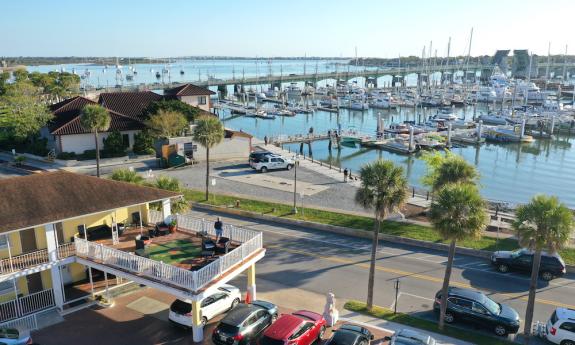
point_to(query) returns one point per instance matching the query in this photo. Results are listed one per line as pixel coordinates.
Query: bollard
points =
(320, 163)
(413, 192)
(427, 197)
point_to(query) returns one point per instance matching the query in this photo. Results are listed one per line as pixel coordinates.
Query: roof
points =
(67, 118)
(344, 337)
(565, 313)
(188, 90)
(239, 314)
(38, 199)
(131, 104)
(466, 293)
(284, 326)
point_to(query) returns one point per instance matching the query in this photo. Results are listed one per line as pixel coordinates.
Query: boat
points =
(402, 128)
(430, 142)
(530, 92)
(396, 145)
(493, 119)
(445, 114)
(260, 114)
(281, 112)
(507, 134)
(486, 94)
(293, 90)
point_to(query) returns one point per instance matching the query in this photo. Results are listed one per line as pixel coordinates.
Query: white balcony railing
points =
(26, 323)
(250, 242)
(39, 257)
(66, 250)
(25, 305)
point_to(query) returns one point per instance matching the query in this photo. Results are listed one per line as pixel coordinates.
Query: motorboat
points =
(506, 134)
(493, 119)
(293, 90)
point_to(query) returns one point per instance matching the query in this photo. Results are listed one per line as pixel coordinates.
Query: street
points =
(322, 262)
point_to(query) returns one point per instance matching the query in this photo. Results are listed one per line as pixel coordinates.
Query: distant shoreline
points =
(93, 60)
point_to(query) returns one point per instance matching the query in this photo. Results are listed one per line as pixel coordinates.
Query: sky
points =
(329, 28)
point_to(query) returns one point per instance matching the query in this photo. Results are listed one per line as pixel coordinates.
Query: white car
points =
(11, 336)
(410, 337)
(272, 163)
(224, 299)
(561, 327)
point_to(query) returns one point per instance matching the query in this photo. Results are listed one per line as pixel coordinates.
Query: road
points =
(321, 262)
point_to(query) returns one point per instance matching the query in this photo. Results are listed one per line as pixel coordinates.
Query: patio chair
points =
(140, 244)
(223, 245)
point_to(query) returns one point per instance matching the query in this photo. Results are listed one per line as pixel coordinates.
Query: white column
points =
(166, 209)
(52, 246)
(251, 273)
(197, 327)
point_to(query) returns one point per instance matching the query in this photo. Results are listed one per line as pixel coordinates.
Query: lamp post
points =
(294, 210)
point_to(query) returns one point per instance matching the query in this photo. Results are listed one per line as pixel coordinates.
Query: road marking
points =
(415, 275)
(418, 296)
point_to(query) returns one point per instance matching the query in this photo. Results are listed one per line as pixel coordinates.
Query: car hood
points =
(508, 313)
(502, 254)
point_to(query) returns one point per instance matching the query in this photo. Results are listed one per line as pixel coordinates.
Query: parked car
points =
(409, 337)
(272, 162)
(300, 328)
(350, 334)
(224, 299)
(244, 323)
(474, 307)
(561, 327)
(257, 155)
(12, 336)
(552, 265)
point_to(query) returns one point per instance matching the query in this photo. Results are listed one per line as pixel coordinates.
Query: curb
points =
(484, 254)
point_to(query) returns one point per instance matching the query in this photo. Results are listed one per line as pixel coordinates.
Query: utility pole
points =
(295, 185)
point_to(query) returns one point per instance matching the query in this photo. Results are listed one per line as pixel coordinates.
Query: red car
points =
(300, 328)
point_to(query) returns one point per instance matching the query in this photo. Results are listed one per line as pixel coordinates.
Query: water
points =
(509, 172)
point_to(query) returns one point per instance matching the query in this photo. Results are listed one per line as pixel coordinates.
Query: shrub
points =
(67, 155)
(143, 143)
(114, 145)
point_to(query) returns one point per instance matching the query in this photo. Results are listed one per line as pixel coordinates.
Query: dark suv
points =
(244, 323)
(474, 307)
(522, 260)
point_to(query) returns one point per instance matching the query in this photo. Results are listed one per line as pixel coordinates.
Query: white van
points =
(561, 327)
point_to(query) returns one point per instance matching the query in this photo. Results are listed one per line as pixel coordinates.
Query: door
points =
(222, 303)
(60, 233)
(34, 282)
(28, 240)
(524, 262)
(263, 319)
(208, 307)
(481, 316)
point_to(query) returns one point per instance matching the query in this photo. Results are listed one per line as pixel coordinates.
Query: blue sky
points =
(281, 28)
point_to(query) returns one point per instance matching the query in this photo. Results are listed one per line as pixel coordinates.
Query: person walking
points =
(219, 227)
(345, 172)
(266, 140)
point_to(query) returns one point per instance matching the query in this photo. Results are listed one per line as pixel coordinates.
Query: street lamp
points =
(296, 163)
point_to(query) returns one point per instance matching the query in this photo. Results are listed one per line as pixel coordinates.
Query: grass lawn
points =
(174, 251)
(426, 325)
(414, 231)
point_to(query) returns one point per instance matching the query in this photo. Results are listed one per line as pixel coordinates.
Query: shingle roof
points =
(67, 118)
(188, 90)
(131, 104)
(37, 199)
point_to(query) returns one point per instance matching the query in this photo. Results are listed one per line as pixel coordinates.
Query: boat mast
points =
(565, 64)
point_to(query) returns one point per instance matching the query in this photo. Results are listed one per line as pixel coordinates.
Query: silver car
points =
(12, 336)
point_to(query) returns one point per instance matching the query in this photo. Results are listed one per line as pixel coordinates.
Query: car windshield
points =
(492, 306)
(517, 253)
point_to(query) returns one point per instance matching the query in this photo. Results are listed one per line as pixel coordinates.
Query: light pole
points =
(295, 184)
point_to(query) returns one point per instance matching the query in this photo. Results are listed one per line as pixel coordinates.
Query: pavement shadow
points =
(232, 166)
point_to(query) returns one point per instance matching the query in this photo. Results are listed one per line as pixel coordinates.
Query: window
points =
(306, 327)
(202, 100)
(3, 241)
(251, 320)
(207, 302)
(568, 326)
(478, 308)
(463, 303)
(6, 286)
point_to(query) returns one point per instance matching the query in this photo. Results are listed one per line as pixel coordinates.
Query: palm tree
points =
(448, 168)
(95, 118)
(457, 213)
(383, 189)
(208, 131)
(543, 223)
(172, 184)
(127, 175)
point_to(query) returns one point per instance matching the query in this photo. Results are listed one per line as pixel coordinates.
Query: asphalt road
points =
(321, 262)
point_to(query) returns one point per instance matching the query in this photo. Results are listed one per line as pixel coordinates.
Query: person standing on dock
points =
(345, 172)
(266, 140)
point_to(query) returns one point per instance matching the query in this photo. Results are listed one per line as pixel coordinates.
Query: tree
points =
(208, 132)
(190, 112)
(172, 184)
(20, 75)
(22, 115)
(114, 144)
(127, 175)
(543, 223)
(95, 118)
(143, 143)
(167, 124)
(383, 189)
(457, 213)
(448, 168)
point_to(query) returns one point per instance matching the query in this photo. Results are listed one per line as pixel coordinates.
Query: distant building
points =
(191, 94)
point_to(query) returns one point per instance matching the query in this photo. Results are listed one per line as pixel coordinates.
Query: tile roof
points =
(67, 118)
(37, 199)
(131, 104)
(188, 90)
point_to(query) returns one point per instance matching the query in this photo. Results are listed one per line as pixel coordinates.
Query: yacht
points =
(507, 134)
(293, 90)
(486, 94)
(530, 91)
(493, 119)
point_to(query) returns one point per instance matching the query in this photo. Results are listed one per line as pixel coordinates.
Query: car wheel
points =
(500, 330)
(289, 166)
(204, 321)
(321, 333)
(503, 268)
(264, 169)
(547, 276)
(235, 303)
(567, 342)
(449, 318)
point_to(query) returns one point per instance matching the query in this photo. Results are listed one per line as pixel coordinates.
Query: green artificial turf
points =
(174, 252)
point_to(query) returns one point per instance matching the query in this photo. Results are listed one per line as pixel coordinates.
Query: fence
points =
(39, 257)
(28, 304)
(251, 242)
(26, 323)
